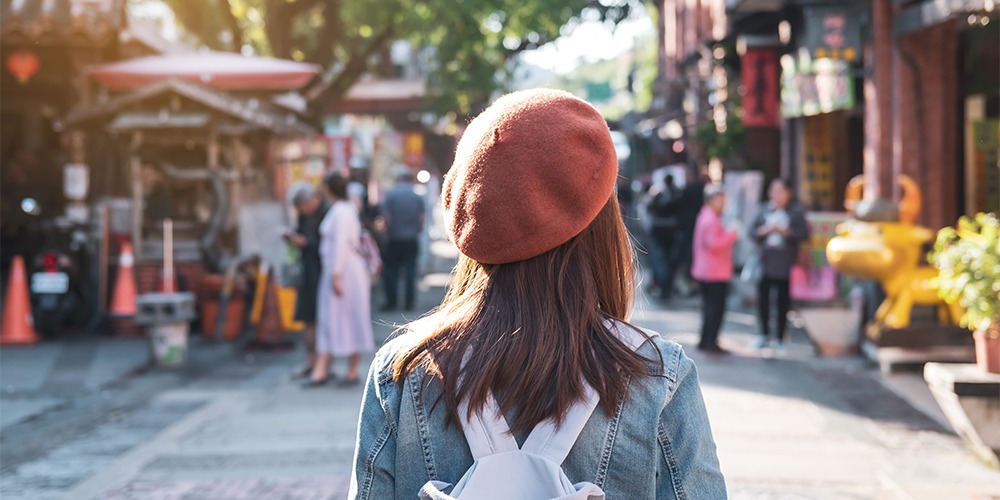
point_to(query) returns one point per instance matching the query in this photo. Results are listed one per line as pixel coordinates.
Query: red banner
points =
(761, 91)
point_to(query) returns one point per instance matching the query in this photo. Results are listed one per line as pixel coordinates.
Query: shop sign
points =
(599, 91)
(413, 149)
(760, 88)
(301, 160)
(816, 187)
(76, 181)
(812, 278)
(387, 152)
(833, 32)
(339, 149)
(811, 87)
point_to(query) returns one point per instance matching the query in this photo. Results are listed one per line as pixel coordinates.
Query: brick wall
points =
(929, 151)
(896, 136)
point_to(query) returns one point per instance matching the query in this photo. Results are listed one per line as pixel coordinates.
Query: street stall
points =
(197, 157)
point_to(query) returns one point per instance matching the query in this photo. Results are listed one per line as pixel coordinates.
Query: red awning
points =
(218, 70)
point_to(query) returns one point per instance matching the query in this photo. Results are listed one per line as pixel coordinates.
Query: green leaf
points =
(968, 260)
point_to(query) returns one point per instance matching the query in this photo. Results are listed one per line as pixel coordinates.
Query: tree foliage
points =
(629, 78)
(468, 43)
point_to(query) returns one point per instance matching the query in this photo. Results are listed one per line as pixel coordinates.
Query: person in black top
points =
(662, 208)
(778, 230)
(311, 206)
(692, 199)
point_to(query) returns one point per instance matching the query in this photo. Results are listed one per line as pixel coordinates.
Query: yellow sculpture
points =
(890, 253)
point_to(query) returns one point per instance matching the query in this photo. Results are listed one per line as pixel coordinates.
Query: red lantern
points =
(23, 65)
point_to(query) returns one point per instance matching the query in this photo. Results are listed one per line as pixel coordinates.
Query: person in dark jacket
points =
(311, 206)
(403, 211)
(662, 207)
(692, 199)
(778, 230)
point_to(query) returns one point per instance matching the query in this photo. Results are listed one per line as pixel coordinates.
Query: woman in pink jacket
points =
(712, 265)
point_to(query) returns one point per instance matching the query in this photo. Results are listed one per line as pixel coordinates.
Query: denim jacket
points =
(657, 444)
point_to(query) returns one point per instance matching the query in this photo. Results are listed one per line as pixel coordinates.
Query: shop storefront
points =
(980, 84)
(940, 84)
(820, 87)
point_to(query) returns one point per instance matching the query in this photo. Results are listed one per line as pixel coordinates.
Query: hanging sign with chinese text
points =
(833, 32)
(818, 152)
(759, 68)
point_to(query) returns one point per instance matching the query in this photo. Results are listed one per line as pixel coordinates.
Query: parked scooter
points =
(60, 299)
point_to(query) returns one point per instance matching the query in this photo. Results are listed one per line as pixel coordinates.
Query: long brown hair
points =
(535, 329)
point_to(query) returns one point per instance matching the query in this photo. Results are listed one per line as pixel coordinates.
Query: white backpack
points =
(533, 472)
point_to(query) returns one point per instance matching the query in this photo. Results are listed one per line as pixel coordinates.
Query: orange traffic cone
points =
(18, 328)
(123, 306)
(269, 333)
(123, 300)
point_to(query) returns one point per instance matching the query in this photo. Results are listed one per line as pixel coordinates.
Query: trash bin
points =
(169, 344)
(166, 317)
(210, 301)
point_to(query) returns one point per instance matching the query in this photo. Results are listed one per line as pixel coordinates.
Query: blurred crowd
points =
(679, 217)
(345, 244)
(688, 243)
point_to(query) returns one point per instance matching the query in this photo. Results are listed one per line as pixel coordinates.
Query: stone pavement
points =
(788, 427)
(797, 426)
(38, 378)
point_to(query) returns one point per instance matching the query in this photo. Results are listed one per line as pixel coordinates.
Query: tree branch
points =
(325, 97)
(333, 31)
(281, 16)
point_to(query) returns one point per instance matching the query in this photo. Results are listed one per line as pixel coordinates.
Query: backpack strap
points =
(486, 431)
(554, 442)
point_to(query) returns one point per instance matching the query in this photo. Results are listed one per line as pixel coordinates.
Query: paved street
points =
(235, 426)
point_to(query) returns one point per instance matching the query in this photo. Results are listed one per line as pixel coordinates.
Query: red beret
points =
(530, 173)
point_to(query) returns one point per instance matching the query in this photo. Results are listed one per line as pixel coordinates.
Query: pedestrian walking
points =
(778, 230)
(692, 199)
(311, 206)
(662, 207)
(531, 344)
(403, 212)
(343, 326)
(712, 265)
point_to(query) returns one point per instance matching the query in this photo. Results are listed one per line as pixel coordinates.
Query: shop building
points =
(824, 91)
(932, 106)
(44, 48)
(108, 130)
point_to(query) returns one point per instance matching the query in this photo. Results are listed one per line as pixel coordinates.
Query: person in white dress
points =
(343, 323)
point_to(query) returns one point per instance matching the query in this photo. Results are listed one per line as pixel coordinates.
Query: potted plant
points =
(968, 259)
